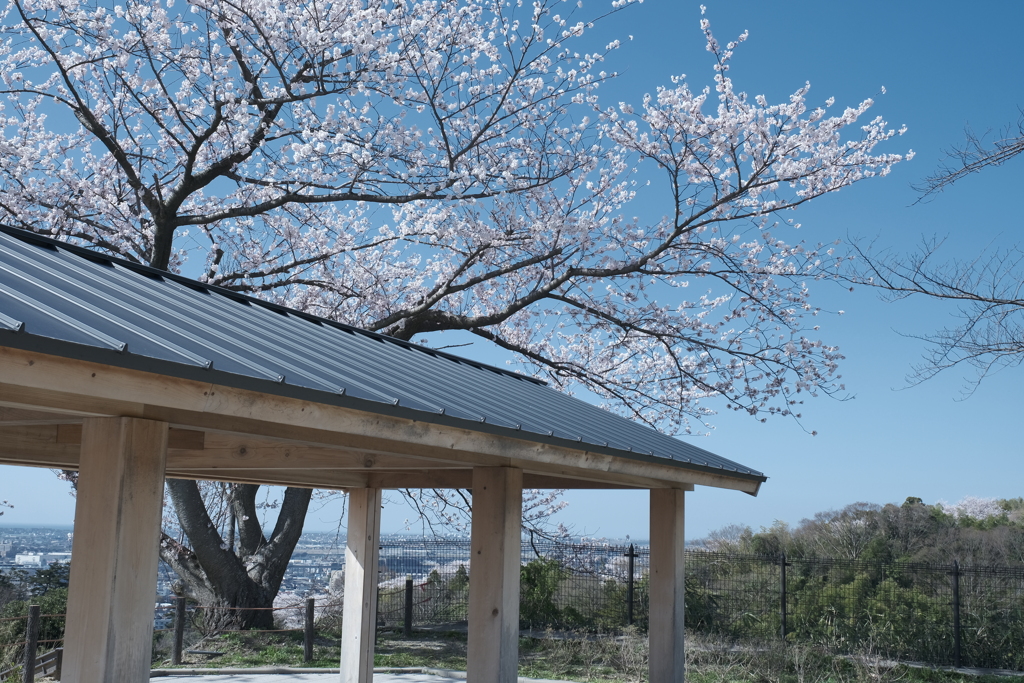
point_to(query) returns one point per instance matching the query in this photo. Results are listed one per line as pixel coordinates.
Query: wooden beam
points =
(36, 445)
(22, 416)
(534, 480)
(359, 611)
(668, 587)
(238, 459)
(176, 438)
(345, 479)
(493, 647)
(109, 635)
(55, 445)
(239, 451)
(310, 479)
(30, 380)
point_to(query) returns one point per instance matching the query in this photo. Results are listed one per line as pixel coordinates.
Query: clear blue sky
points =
(944, 65)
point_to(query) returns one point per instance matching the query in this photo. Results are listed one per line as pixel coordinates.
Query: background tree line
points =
(973, 532)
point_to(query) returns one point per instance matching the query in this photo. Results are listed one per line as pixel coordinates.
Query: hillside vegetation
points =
(974, 531)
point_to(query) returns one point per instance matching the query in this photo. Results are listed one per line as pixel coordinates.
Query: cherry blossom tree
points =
(424, 167)
(973, 507)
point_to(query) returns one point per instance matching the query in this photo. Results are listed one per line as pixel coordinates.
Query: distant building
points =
(40, 559)
(5, 548)
(28, 560)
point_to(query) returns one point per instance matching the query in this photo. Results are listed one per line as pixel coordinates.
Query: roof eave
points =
(750, 483)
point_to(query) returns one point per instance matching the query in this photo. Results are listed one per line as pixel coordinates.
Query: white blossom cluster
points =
(414, 167)
(973, 507)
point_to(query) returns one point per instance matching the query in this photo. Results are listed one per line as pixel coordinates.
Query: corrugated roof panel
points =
(52, 290)
(51, 322)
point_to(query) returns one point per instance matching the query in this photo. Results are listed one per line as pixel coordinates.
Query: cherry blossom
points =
(421, 167)
(973, 507)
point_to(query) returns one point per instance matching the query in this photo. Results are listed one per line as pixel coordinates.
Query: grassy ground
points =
(570, 657)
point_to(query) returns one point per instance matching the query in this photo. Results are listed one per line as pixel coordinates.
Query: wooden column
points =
(112, 587)
(668, 586)
(359, 612)
(494, 575)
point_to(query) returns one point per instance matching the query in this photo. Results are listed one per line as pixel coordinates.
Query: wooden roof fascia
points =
(103, 389)
(268, 391)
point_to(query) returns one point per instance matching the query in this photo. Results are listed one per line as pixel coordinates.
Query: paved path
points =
(305, 678)
(302, 676)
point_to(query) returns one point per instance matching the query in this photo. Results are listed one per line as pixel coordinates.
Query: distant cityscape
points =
(316, 563)
(316, 566)
(315, 569)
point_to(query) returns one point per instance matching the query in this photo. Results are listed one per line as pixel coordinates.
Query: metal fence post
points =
(31, 642)
(407, 630)
(179, 630)
(782, 596)
(631, 555)
(956, 614)
(308, 635)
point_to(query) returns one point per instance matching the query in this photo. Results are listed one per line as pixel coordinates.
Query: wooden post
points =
(783, 598)
(495, 547)
(359, 611)
(407, 625)
(307, 640)
(631, 570)
(109, 635)
(179, 630)
(668, 587)
(28, 674)
(956, 614)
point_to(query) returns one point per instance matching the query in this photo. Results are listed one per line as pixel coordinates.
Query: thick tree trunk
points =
(237, 584)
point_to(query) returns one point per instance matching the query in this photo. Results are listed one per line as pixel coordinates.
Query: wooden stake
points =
(28, 673)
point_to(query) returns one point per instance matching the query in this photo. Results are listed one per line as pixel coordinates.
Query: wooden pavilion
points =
(131, 375)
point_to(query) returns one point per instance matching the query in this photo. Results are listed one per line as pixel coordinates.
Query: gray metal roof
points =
(72, 302)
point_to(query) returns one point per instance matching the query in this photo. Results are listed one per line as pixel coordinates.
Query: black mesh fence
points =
(968, 616)
(440, 576)
(937, 614)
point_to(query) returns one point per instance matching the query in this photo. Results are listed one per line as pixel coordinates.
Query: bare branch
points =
(973, 156)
